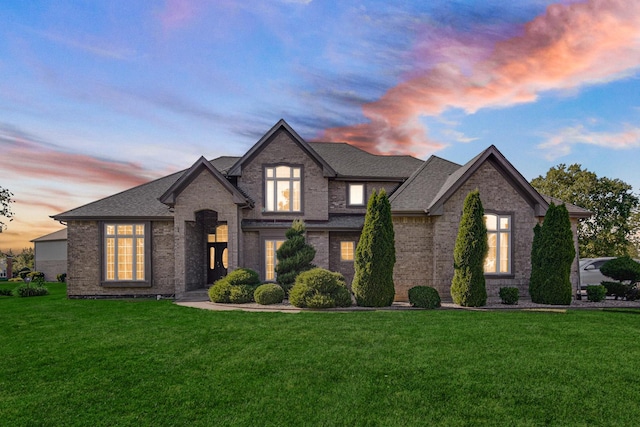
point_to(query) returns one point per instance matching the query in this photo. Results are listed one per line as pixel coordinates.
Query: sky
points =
(97, 97)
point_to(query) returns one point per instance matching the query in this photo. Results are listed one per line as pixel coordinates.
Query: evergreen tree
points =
(555, 255)
(537, 273)
(294, 255)
(375, 255)
(468, 287)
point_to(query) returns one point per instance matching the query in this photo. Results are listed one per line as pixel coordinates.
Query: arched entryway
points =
(215, 234)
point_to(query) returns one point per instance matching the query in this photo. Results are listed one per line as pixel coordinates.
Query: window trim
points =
(353, 251)
(511, 231)
(290, 179)
(147, 282)
(364, 195)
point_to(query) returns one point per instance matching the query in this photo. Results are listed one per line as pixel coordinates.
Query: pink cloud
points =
(567, 47)
(561, 143)
(178, 13)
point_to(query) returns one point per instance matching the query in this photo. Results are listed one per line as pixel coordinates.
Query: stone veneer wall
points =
(283, 150)
(498, 196)
(84, 263)
(204, 192)
(414, 255)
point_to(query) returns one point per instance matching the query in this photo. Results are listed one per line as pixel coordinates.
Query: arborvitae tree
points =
(468, 287)
(294, 256)
(375, 255)
(537, 273)
(555, 255)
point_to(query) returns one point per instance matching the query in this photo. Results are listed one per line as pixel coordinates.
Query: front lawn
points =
(147, 362)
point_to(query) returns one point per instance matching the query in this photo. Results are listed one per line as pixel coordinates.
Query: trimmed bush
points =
(596, 293)
(22, 273)
(37, 278)
(424, 297)
(6, 292)
(622, 269)
(375, 255)
(468, 287)
(269, 293)
(294, 255)
(236, 288)
(62, 277)
(319, 288)
(509, 295)
(30, 291)
(616, 289)
(15, 279)
(632, 294)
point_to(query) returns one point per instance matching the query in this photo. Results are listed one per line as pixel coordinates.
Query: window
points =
(270, 260)
(221, 235)
(346, 251)
(282, 189)
(124, 252)
(498, 259)
(355, 195)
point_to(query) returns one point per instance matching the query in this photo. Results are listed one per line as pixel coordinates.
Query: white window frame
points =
(350, 201)
(270, 258)
(500, 234)
(113, 233)
(273, 183)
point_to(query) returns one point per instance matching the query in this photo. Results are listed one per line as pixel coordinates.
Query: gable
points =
(277, 130)
(202, 165)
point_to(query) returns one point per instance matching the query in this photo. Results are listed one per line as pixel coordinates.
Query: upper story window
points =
(355, 195)
(124, 252)
(282, 189)
(498, 259)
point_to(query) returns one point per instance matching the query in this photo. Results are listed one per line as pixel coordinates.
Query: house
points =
(184, 231)
(50, 254)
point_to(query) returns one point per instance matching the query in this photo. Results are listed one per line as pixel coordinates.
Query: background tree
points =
(550, 281)
(23, 260)
(5, 208)
(612, 202)
(375, 255)
(468, 287)
(294, 255)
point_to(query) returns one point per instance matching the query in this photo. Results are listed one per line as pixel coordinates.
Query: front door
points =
(217, 264)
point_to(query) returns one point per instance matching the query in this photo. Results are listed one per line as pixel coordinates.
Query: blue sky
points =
(96, 97)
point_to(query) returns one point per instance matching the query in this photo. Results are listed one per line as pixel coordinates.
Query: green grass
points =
(152, 363)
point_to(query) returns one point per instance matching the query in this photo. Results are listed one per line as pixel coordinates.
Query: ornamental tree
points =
(550, 281)
(375, 255)
(468, 287)
(294, 255)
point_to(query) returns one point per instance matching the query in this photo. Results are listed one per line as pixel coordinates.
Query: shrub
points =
(6, 292)
(375, 255)
(30, 291)
(319, 288)
(294, 256)
(468, 287)
(632, 294)
(241, 294)
(16, 279)
(269, 293)
(236, 288)
(509, 295)
(622, 269)
(616, 289)
(62, 277)
(424, 297)
(596, 293)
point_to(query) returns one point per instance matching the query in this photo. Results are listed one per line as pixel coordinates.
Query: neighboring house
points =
(4, 268)
(182, 232)
(50, 254)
